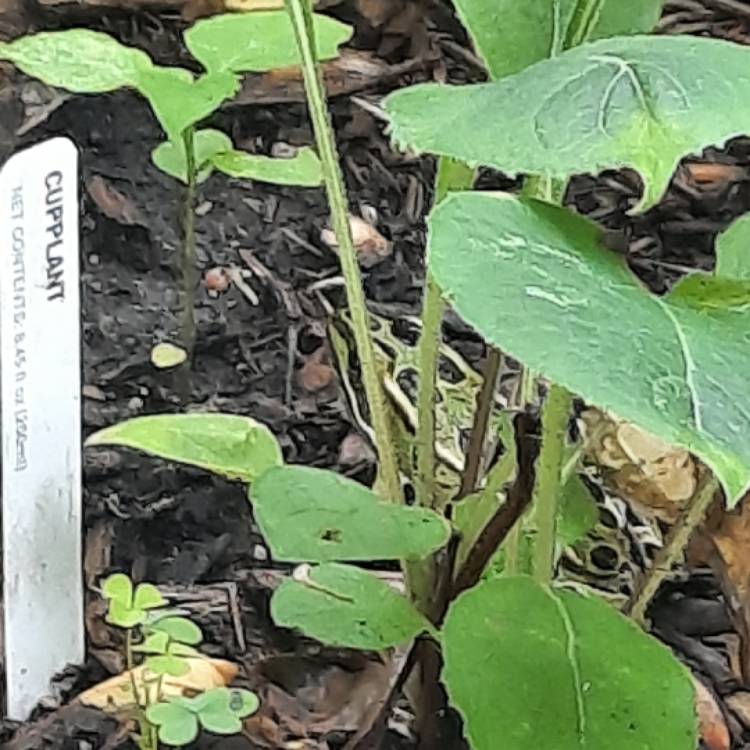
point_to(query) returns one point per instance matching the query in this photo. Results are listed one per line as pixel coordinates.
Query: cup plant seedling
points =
(89, 62)
(575, 87)
(167, 641)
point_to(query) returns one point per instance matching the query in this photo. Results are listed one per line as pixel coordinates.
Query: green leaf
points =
(177, 725)
(341, 605)
(179, 100)
(314, 515)
(153, 643)
(534, 281)
(79, 60)
(302, 169)
(625, 102)
(578, 513)
(181, 649)
(220, 721)
(118, 587)
(733, 250)
(258, 41)
(123, 616)
(170, 155)
(147, 596)
(559, 670)
(167, 664)
(243, 702)
(179, 629)
(227, 444)
(511, 35)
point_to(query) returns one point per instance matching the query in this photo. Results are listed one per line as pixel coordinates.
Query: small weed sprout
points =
(166, 641)
(89, 62)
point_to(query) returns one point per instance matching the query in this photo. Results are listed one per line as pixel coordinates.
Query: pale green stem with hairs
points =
(300, 13)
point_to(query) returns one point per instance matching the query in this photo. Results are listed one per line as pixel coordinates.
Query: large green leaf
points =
(227, 444)
(511, 35)
(258, 41)
(733, 250)
(341, 605)
(170, 156)
(302, 169)
(534, 280)
(554, 669)
(313, 515)
(179, 101)
(641, 102)
(79, 60)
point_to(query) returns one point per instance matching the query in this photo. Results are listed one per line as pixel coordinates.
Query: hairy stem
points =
(673, 549)
(189, 277)
(301, 18)
(555, 415)
(451, 175)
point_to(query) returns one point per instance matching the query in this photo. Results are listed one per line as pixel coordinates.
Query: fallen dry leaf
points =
(724, 543)
(711, 723)
(316, 376)
(644, 470)
(116, 694)
(714, 173)
(111, 202)
(371, 246)
(351, 72)
(739, 705)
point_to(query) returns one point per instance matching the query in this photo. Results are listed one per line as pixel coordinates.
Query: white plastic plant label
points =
(41, 420)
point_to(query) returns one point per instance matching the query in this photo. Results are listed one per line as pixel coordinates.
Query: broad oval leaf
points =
(314, 515)
(640, 102)
(118, 587)
(147, 596)
(511, 35)
(179, 629)
(302, 169)
(167, 664)
(79, 60)
(220, 722)
(341, 605)
(170, 156)
(533, 280)
(227, 444)
(177, 725)
(179, 100)
(259, 41)
(733, 250)
(560, 670)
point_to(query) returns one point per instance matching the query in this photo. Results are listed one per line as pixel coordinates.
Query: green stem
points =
(301, 18)
(451, 175)
(673, 549)
(189, 276)
(585, 18)
(555, 415)
(428, 355)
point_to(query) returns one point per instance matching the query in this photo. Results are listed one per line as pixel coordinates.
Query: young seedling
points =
(167, 640)
(89, 62)
(536, 282)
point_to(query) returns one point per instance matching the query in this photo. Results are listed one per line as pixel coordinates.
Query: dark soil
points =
(192, 532)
